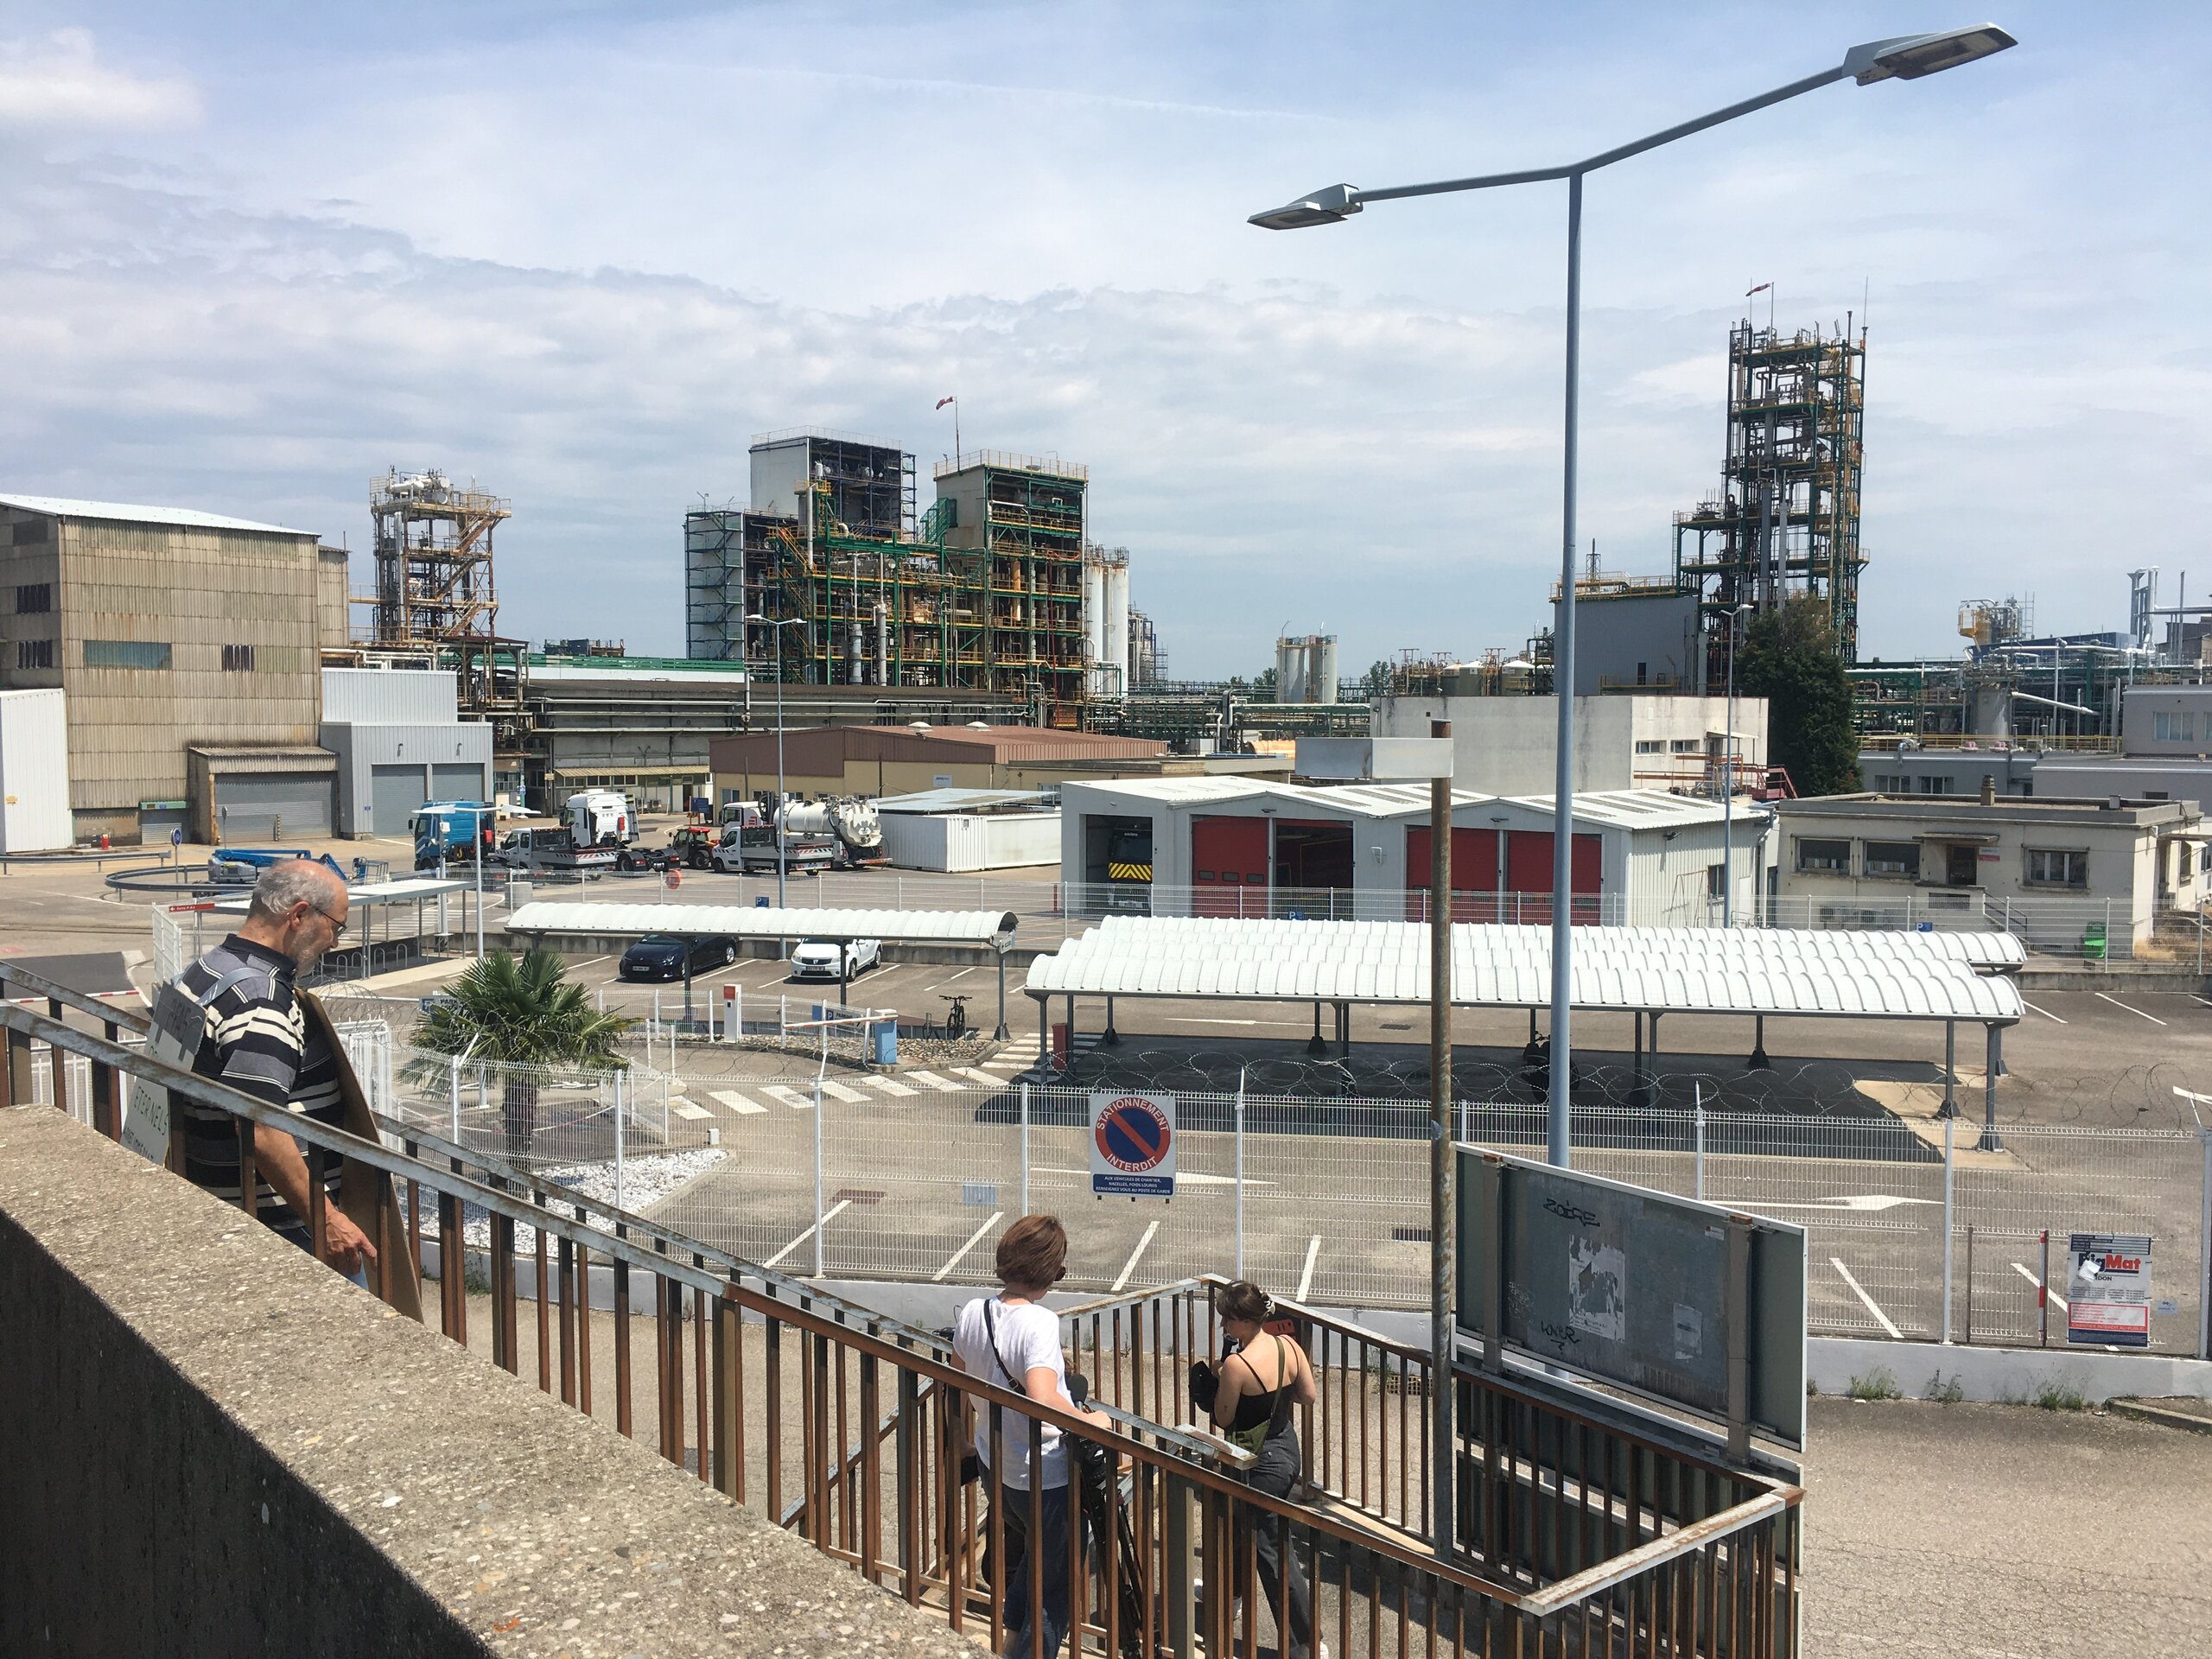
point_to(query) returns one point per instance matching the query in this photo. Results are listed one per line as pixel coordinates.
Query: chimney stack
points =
(1989, 789)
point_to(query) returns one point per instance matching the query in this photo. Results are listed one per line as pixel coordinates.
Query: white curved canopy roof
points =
(1709, 971)
(983, 929)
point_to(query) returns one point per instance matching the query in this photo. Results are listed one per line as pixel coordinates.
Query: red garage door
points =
(1474, 872)
(1528, 870)
(1227, 856)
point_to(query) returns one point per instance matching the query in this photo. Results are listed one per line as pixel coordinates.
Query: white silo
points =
(1321, 667)
(1113, 644)
(1094, 619)
(1290, 670)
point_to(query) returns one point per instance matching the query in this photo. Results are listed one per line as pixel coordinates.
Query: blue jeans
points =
(1051, 1555)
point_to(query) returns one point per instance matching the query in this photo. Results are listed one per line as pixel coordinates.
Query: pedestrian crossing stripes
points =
(736, 1102)
(790, 1097)
(888, 1085)
(971, 1073)
(840, 1091)
(684, 1108)
(930, 1080)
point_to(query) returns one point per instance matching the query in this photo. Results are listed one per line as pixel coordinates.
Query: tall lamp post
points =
(1907, 57)
(1736, 615)
(778, 627)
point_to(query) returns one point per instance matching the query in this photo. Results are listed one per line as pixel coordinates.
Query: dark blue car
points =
(658, 957)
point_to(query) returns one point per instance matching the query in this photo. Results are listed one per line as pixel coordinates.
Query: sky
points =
(252, 255)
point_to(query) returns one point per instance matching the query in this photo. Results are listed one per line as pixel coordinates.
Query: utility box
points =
(35, 771)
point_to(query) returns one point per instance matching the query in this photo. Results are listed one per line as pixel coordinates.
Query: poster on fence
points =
(1132, 1145)
(2108, 1289)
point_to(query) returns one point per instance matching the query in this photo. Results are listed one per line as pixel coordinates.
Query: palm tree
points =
(523, 1014)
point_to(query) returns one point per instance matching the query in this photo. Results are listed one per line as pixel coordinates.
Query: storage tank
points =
(1322, 669)
(1290, 670)
(1115, 651)
(1094, 618)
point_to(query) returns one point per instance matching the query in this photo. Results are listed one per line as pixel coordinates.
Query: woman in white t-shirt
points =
(1012, 1340)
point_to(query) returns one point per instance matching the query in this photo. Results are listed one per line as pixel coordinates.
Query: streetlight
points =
(788, 622)
(1906, 57)
(1736, 615)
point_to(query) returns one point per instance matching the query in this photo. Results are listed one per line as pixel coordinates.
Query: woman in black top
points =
(1255, 1389)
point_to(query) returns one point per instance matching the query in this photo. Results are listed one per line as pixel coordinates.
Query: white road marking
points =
(841, 1092)
(2139, 1012)
(1880, 1317)
(979, 1076)
(962, 975)
(684, 1108)
(1863, 1201)
(889, 1085)
(2059, 1300)
(1278, 1025)
(1128, 1267)
(830, 1216)
(2046, 1013)
(974, 1239)
(2208, 1002)
(736, 1102)
(790, 1097)
(1305, 1273)
(930, 1080)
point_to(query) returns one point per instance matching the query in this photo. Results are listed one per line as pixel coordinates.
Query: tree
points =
(1788, 656)
(1375, 683)
(524, 1016)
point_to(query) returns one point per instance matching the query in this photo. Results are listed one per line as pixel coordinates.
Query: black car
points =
(658, 957)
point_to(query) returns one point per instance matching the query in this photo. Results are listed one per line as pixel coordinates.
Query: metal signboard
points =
(2108, 1289)
(1132, 1145)
(1692, 1304)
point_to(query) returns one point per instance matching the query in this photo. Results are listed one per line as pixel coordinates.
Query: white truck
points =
(540, 848)
(600, 817)
(850, 819)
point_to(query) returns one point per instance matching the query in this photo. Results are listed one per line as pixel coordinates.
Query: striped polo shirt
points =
(257, 1040)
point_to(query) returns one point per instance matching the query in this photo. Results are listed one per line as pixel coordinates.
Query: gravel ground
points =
(645, 1182)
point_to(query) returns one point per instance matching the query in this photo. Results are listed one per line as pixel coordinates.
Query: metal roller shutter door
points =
(458, 780)
(394, 793)
(272, 806)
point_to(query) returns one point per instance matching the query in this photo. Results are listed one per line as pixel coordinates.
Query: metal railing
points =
(850, 1429)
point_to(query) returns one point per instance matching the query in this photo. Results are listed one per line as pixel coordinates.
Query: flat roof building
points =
(190, 645)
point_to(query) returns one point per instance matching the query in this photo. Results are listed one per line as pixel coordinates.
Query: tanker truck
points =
(859, 832)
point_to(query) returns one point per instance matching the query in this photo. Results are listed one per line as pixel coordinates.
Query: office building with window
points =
(187, 645)
(1865, 856)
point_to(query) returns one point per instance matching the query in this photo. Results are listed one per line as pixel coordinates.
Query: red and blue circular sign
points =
(1133, 1141)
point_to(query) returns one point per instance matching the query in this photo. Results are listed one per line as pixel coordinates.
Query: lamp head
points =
(1908, 57)
(1331, 205)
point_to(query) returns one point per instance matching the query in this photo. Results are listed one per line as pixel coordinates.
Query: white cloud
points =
(59, 84)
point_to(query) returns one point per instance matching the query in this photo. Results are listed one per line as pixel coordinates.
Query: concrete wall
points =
(2088, 778)
(1508, 746)
(214, 1446)
(2141, 706)
(1950, 773)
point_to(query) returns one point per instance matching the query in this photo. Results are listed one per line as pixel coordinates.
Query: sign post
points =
(2108, 1289)
(1132, 1145)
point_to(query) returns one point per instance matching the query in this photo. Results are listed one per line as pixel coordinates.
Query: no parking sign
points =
(1132, 1145)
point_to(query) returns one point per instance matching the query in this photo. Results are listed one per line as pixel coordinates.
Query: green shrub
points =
(2060, 1396)
(1880, 1384)
(1943, 1393)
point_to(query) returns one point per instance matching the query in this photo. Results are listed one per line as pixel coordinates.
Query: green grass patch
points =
(1880, 1384)
(1944, 1393)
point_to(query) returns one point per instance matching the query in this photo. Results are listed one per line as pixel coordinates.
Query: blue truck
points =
(452, 832)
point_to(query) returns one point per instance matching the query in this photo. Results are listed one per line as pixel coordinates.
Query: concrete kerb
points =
(2003, 1375)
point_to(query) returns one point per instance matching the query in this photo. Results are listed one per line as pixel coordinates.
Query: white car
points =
(831, 959)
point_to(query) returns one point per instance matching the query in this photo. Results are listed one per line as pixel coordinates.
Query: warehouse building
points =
(880, 760)
(189, 646)
(1639, 855)
(399, 741)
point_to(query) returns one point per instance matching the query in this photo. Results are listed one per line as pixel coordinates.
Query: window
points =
(1649, 745)
(126, 653)
(2187, 862)
(1687, 744)
(1899, 859)
(34, 653)
(1716, 880)
(34, 598)
(1936, 785)
(237, 659)
(1829, 857)
(2172, 728)
(2057, 867)
(2156, 795)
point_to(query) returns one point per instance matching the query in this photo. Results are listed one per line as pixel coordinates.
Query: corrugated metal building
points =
(880, 760)
(400, 741)
(169, 629)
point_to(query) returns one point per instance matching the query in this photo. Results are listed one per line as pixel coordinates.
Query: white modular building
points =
(35, 771)
(970, 829)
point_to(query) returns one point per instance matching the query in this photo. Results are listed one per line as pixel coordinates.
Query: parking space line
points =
(2207, 1001)
(1128, 1267)
(974, 1239)
(2117, 1003)
(1836, 1262)
(736, 1102)
(2046, 1013)
(2026, 1273)
(1305, 1273)
(962, 975)
(829, 1216)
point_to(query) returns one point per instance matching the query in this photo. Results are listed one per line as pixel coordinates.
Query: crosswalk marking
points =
(980, 1077)
(684, 1108)
(736, 1102)
(839, 1091)
(790, 1097)
(889, 1085)
(930, 1080)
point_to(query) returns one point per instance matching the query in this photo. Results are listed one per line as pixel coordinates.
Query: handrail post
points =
(729, 1454)
(1179, 1563)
